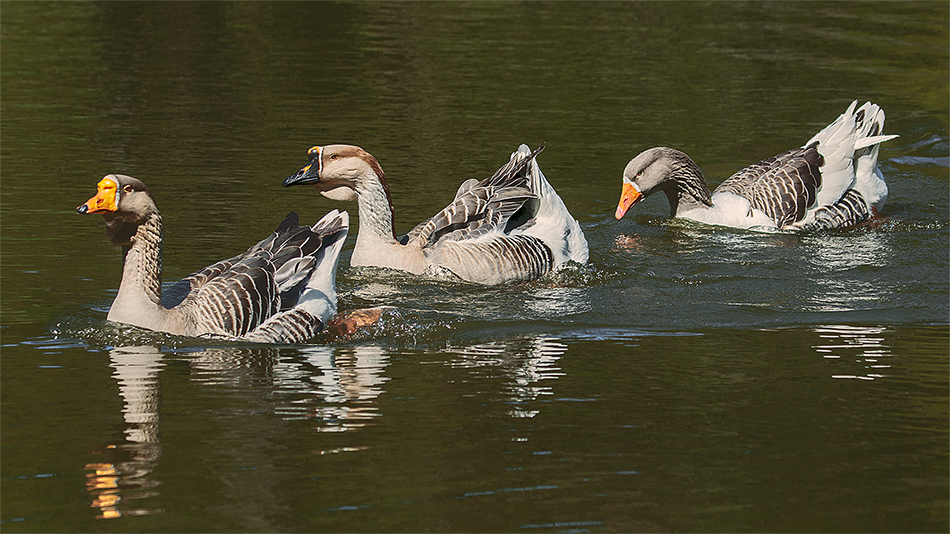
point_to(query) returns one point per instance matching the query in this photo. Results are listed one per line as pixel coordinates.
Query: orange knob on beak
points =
(104, 201)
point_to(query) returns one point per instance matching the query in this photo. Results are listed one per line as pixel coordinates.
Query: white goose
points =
(831, 182)
(282, 290)
(508, 228)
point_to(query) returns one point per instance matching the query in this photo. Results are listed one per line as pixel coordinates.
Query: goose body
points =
(832, 181)
(510, 227)
(282, 290)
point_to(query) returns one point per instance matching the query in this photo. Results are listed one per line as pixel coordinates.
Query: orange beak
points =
(104, 201)
(628, 197)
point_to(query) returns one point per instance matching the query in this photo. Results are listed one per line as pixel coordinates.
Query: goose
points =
(511, 227)
(831, 182)
(282, 290)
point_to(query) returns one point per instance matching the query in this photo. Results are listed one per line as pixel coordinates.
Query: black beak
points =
(307, 175)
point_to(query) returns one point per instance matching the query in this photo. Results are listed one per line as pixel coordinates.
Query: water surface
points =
(688, 378)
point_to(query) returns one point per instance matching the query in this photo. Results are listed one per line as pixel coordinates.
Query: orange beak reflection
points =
(628, 197)
(104, 201)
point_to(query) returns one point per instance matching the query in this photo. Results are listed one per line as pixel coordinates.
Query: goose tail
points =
(849, 146)
(317, 301)
(332, 228)
(555, 224)
(868, 179)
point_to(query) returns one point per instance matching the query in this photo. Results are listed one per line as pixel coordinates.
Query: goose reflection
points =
(337, 386)
(526, 362)
(116, 485)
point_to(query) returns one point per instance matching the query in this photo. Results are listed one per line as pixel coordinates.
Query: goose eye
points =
(333, 157)
(127, 188)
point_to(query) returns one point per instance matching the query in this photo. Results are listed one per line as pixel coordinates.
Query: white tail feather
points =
(554, 223)
(850, 153)
(319, 296)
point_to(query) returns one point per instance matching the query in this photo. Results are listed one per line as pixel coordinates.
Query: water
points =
(687, 379)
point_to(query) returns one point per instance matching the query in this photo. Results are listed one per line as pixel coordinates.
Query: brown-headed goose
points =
(831, 182)
(282, 290)
(508, 228)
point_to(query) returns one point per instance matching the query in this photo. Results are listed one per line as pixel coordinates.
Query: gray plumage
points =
(783, 186)
(482, 207)
(280, 290)
(818, 186)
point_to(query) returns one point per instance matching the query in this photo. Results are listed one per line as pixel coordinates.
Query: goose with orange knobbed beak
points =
(282, 290)
(511, 227)
(831, 182)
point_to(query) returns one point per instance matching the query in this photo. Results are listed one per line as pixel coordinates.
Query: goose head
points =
(661, 169)
(124, 202)
(644, 174)
(338, 172)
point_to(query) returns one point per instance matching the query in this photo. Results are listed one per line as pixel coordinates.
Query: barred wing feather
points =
(783, 186)
(479, 207)
(238, 296)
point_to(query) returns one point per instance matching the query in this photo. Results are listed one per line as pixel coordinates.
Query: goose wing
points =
(198, 279)
(234, 296)
(316, 302)
(176, 293)
(482, 208)
(783, 186)
(507, 228)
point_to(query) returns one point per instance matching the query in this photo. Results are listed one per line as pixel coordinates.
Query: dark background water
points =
(688, 379)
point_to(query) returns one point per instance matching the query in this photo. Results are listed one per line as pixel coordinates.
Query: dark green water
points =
(688, 379)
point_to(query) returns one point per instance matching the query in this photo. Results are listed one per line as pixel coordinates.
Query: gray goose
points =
(511, 227)
(282, 290)
(831, 182)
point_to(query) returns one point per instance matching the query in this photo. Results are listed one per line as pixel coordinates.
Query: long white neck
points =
(140, 292)
(376, 243)
(376, 212)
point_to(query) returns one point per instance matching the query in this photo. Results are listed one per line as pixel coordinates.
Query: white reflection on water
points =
(115, 485)
(845, 269)
(557, 302)
(524, 363)
(864, 345)
(337, 386)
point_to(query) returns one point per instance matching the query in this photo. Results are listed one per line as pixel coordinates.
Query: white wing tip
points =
(871, 141)
(343, 216)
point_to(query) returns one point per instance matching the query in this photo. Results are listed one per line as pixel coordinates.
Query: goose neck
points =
(141, 288)
(690, 190)
(376, 212)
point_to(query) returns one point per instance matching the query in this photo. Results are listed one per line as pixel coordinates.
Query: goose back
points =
(783, 186)
(257, 295)
(510, 227)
